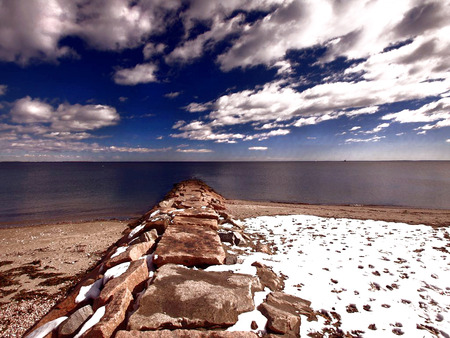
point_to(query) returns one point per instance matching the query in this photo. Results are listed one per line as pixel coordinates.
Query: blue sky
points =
(224, 80)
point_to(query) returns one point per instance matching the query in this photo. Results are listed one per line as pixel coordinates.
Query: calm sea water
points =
(32, 193)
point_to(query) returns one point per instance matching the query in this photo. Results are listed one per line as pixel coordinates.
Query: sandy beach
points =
(40, 263)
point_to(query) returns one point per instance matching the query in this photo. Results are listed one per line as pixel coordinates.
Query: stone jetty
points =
(153, 282)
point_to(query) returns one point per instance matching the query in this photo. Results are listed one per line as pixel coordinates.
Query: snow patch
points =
(92, 321)
(90, 291)
(393, 275)
(46, 328)
(136, 230)
(115, 271)
(119, 250)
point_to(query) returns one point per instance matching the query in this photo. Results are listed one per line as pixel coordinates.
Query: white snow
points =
(397, 275)
(115, 271)
(46, 328)
(154, 213)
(89, 291)
(92, 321)
(119, 250)
(245, 319)
(136, 230)
(227, 226)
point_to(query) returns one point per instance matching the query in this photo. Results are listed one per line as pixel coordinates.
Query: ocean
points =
(36, 193)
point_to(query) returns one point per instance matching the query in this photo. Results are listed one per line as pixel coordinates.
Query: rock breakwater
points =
(153, 282)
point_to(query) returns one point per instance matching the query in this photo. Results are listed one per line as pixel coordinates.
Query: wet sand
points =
(38, 264)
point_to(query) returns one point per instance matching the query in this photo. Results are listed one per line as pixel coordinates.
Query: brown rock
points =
(148, 236)
(194, 221)
(131, 254)
(185, 334)
(291, 303)
(71, 325)
(134, 277)
(283, 313)
(185, 298)
(190, 246)
(280, 320)
(160, 224)
(114, 315)
(198, 213)
(268, 278)
(166, 203)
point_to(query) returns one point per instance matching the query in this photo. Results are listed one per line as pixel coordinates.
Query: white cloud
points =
(172, 95)
(376, 129)
(355, 128)
(27, 110)
(436, 114)
(197, 107)
(194, 151)
(265, 136)
(3, 89)
(135, 150)
(358, 140)
(257, 148)
(65, 118)
(33, 29)
(198, 130)
(151, 49)
(448, 140)
(141, 73)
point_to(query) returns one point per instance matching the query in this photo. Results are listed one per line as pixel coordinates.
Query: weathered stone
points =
(166, 203)
(185, 334)
(194, 221)
(283, 313)
(232, 237)
(114, 315)
(190, 246)
(199, 213)
(280, 320)
(148, 236)
(136, 274)
(160, 224)
(268, 278)
(189, 204)
(131, 254)
(71, 325)
(186, 298)
(294, 304)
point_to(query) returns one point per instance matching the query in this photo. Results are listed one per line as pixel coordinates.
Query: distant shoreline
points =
(254, 208)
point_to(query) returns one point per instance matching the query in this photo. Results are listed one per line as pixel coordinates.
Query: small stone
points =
(71, 325)
(372, 327)
(253, 325)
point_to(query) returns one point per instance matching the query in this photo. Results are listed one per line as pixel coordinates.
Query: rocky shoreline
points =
(153, 281)
(234, 248)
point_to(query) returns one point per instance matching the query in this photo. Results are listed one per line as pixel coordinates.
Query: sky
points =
(234, 80)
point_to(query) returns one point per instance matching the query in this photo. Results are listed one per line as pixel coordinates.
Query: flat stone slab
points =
(198, 212)
(190, 246)
(194, 221)
(186, 298)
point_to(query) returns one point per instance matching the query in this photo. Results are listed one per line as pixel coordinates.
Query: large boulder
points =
(186, 298)
(189, 246)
